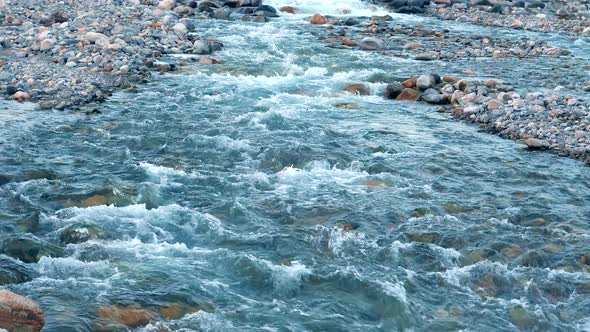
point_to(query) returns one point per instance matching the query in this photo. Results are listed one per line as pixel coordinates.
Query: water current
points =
(248, 191)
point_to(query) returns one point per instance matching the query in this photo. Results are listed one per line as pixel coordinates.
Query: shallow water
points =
(241, 188)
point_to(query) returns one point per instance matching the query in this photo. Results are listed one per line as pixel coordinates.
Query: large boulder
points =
(20, 314)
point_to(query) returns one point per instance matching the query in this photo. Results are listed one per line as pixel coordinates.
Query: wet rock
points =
(520, 317)
(473, 256)
(13, 271)
(511, 251)
(410, 82)
(432, 96)
(95, 200)
(372, 44)
(28, 248)
(19, 313)
(425, 82)
(266, 11)
(585, 259)
(533, 259)
(174, 311)
(428, 237)
(347, 105)
(357, 89)
(290, 10)
(376, 183)
(393, 90)
(425, 57)
(408, 95)
(318, 19)
(208, 61)
(346, 226)
(128, 315)
(421, 212)
(75, 234)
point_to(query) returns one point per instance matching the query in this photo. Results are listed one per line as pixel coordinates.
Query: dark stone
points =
(266, 10)
(75, 234)
(483, 3)
(13, 271)
(4, 179)
(59, 17)
(410, 10)
(437, 78)
(29, 248)
(11, 89)
(393, 90)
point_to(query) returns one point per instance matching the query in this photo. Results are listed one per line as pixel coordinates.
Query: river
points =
(243, 190)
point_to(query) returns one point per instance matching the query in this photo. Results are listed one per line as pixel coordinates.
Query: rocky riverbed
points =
(548, 16)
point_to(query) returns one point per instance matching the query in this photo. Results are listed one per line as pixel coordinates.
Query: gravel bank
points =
(64, 54)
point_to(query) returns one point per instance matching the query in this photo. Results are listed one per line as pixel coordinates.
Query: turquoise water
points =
(242, 189)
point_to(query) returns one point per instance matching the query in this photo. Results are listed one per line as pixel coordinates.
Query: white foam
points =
(68, 267)
(395, 289)
(319, 172)
(162, 171)
(333, 7)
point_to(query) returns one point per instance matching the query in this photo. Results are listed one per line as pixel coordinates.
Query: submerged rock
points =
(173, 311)
(79, 233)
(372, 44)
(19, 313)
(357, 89)
(29, 248)
(393, 90)
(128, 315)
(13, 271)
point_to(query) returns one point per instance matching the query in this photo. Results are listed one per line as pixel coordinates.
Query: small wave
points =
(162, 171)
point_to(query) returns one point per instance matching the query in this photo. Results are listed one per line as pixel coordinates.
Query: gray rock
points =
(425, 82)
(536, 144)
(372, 44)
(432, 96)
(393, 90)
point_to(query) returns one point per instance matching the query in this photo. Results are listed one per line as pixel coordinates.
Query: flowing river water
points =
(241, 189)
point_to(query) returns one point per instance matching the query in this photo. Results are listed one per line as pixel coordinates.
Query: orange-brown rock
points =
(288, 9)
(357, 89)
(18, 313)
(449, 79)
(410, 82)
(493, 105)
(208, 61)
(348, 42)
(22, 96)
(130, 315)
(318, 19)
(95, 200)
(173, 311)
(516, 24)
(408, 95)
